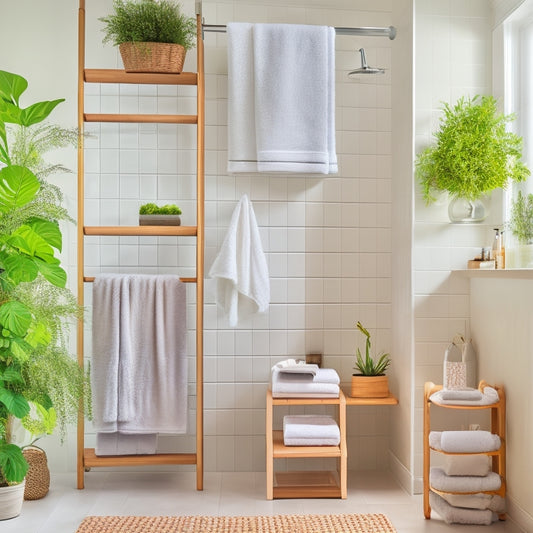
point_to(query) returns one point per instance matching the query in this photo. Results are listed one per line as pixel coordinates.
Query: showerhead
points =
(364, 68)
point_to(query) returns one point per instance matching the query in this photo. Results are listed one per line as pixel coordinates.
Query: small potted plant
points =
(152, 35)
(370, 380)
(153, 215)
(473, 155)
(521, 227)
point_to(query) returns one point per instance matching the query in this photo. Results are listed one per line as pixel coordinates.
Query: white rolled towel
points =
(310, 430)
(476, 501)
(461, 394)
(467, 465)
(440, 481)
(464, 441)
(489, 396)
(460, 515)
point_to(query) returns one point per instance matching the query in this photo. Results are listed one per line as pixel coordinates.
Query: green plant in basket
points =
(368, 366)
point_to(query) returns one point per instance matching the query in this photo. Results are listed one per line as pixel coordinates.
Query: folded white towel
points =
(241, 271)
(139, 358)
(488, 397)
(462, 394)
(285, 385)
(440, 481)
(312, 427)
(464, 441)
(313, 375)
(281, 98)
(459, 515)
(124, 444)
(467, 465)
(480, 500)
(294, 366)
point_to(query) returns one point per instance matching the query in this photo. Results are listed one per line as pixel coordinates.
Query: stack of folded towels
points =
(469, 474)
(296, 379)
(310, 430)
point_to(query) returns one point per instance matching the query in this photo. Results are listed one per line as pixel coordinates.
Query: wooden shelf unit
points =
(86, 457)
(307, 484)
(497, 426)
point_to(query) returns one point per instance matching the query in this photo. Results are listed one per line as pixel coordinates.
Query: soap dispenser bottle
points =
(497, 249)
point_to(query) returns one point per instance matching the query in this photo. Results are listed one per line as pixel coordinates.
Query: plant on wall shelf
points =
(473, 152)
(35, 305)
(367, 366)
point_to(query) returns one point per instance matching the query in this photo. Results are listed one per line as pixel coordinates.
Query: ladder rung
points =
(93, 75)
(155, 231)
(90, 279)
(161, 119)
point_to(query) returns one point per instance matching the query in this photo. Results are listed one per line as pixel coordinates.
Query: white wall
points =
(328, 240)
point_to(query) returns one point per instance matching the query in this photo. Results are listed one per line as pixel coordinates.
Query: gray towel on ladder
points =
(139, 362)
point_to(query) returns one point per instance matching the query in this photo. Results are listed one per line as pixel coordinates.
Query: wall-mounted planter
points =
(369, 386)
(159, 220)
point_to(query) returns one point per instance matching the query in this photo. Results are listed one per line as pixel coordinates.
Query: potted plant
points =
(370, 381)
(153, 215)
(152, 35)
(521, 227)
(35, 366)
(473, 155)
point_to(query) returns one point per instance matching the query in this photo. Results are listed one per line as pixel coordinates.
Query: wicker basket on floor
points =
(153, 57)
(38, 476)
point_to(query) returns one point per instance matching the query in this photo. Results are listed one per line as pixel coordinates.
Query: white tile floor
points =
(128, 493)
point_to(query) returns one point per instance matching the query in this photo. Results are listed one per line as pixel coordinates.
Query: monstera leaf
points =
(12, 463)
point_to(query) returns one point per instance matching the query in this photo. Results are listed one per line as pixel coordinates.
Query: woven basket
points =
(38, 476)
(152, 57)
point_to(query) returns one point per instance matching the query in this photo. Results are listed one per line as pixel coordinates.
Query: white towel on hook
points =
(281, 98)
(240, 268)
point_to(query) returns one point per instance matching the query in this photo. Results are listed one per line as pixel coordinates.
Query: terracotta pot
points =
(11, 499)
(369, 386)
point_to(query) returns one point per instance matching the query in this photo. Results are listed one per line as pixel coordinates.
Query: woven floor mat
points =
(328, 523)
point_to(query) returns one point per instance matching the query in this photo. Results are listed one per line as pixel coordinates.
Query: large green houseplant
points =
(152, 35)
(473, 154)
(35, 366)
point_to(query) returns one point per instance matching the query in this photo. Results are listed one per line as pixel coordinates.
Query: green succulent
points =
(367, 366)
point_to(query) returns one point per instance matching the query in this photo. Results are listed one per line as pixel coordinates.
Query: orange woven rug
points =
(328, 523)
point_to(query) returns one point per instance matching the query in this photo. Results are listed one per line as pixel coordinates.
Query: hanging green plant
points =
(473, 153)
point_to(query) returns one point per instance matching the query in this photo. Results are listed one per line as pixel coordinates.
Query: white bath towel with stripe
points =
(139, 361)
(281, 98)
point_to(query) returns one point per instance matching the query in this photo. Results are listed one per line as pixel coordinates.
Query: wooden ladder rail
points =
(86, 458)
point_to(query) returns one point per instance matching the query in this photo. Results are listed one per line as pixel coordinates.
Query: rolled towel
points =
(460, 515)
(488, 397)
(467, 465)
(470, 484)
(310, 430)
(462, 394)
(464, 441)
(476, 501)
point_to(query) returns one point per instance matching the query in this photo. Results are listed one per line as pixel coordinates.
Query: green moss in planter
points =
(153, 209)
